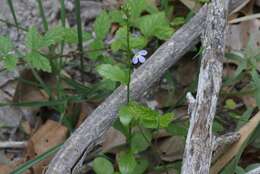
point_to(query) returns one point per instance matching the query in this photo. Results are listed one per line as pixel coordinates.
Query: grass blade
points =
(44, 21)
(21, 169)
(10, 4)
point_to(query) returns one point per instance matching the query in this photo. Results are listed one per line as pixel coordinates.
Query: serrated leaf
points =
(136, 8)
(33, 39)
(165, 120)
(163, 33)
(140, 141)
(54, 35)
(102, 166)
(151, 24)
(102, 25)
(147, 117)
(126, 162)
(70, 35)
(10, 62)
(178, 21)
(38, 61)
(95, 48)
(116, 16)
(5, 45)
(113, 72)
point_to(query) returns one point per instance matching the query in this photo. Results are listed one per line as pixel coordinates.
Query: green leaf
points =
(136, 8)
(33, 39)
(165, 120)
(150, 25)
(140, 141)
(10, 62)
(163, 33)
(5, 45)
(126, 162)
(178, 21)
(113, 72)
(38, 61)
(70, 35)
(217, 127)
(239, 170)
(256, 83)
(230, 104)
(142, 165)
(125, 116)
(102, 166)
(102, 25)
(179, 129)
(95, 49)
(116, 16)
(54, 35)
(120, 42)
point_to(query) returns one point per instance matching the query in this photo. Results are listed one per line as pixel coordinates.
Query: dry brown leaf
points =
(113, 139)
(192, 5)
(168, 153)
(238, 35)
(47, 136)
(8, 168)
(245, 132)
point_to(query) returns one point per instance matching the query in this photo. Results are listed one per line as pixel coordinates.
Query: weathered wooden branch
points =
(199, 143)
(222, 143)
(90, 133)
(254, 171)
(13, 144)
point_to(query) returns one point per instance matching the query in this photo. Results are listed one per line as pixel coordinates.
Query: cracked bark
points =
(199, 142)
(89, 134)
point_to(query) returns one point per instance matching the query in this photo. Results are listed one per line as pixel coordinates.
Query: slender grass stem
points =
(41, 10)
(80, 38)
(10, 4)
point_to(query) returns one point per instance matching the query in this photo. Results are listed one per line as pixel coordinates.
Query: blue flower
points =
(139, 56)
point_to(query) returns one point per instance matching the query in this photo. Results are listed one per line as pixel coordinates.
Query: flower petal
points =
(142, 52)
(141, 59)
(135, 60)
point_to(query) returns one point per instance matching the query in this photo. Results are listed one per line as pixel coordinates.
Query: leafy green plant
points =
(246, 61)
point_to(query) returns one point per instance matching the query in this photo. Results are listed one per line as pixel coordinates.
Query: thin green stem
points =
(41, 10)
(80, 38)
(129, 61)
(10, 4)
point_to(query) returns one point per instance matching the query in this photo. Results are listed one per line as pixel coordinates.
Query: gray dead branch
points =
(89, 134)
(13, 144)
(199, 142)
(254, 171)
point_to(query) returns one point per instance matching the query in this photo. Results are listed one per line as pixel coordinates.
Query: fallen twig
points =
(13, 144)
(90, 133)
(199, 142)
